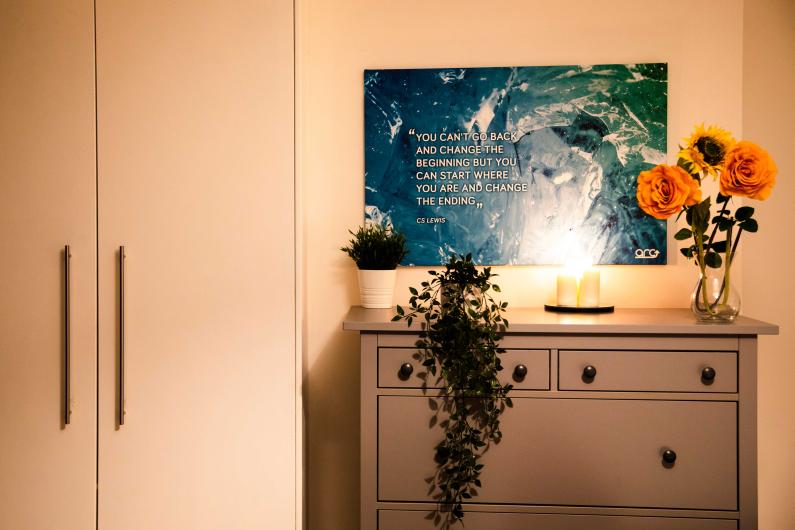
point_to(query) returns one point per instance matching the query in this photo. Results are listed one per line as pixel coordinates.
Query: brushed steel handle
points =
(67, 354)
(121, 335)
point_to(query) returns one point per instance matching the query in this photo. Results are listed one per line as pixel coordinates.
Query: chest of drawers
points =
(641, 419)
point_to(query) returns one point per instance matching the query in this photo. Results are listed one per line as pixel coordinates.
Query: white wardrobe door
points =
(47, 201)
(195, 142)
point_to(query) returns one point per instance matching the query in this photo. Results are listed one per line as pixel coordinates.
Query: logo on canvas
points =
(646, 253)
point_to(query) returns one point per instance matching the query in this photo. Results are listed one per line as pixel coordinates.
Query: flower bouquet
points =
(742, 169)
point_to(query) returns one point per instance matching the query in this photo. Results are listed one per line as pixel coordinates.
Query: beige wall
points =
(701, 41)
(768, 115)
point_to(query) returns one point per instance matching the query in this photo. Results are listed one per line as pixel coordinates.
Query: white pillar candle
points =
(567, 289)
(589, 289)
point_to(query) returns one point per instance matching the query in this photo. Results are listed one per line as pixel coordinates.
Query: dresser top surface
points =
(537, 320)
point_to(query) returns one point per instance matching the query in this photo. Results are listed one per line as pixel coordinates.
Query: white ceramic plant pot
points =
(376, 288)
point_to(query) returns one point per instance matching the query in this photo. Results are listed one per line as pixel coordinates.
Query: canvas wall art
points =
(517, 165)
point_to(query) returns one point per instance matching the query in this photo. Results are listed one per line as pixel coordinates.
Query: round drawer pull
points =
(405, 370)
(519, 372)
(708, 375)
(588, 373)
(668, 457)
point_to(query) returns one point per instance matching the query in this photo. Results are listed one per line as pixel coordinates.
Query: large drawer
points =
(652, 371)
(423, 520)
(576, 452)
(536, 373)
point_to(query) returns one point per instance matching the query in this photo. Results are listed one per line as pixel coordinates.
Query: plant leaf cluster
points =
(459, 344)
(376, 247)
(713, 248)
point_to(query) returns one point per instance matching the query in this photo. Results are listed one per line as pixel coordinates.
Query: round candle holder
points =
(578, 309)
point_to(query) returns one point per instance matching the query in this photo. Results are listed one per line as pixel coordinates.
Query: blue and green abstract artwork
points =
(531, 165)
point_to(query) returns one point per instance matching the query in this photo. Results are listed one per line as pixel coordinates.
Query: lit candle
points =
(589, 289)
(567, 289)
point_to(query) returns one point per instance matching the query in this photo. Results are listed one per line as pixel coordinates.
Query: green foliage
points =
(375, 247)
(705, 249)
(461, 330)
(711, 253)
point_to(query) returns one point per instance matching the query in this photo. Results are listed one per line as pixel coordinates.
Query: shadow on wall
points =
(333, 419)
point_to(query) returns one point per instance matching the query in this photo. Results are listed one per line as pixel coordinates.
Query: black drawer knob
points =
(520, 372)
(669, 457)
(708, 375)
(406, 369)
(588, 373)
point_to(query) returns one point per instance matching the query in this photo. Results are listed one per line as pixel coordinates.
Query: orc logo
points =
(646, 253)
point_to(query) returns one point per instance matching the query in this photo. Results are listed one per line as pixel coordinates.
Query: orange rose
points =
(749, 172)
(664, 190)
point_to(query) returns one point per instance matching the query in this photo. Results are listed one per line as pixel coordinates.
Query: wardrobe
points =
(147, 265)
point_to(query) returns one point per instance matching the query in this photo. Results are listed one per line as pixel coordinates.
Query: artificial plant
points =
(459, 344)
(376, 247)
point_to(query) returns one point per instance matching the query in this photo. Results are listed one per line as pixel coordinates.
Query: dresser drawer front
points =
(575, 452)
(423, 520)
(535, 362)
(651, 371)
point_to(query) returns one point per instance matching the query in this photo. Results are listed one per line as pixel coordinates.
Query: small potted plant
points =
(377, 251)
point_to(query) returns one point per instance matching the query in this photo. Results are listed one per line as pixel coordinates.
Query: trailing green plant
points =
(376, 247)
(459, 343)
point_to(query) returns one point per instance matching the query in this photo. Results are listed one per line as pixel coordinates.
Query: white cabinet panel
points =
(195, 120)
(47, 200)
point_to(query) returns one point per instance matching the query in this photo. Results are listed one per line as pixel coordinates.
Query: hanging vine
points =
(459, 344)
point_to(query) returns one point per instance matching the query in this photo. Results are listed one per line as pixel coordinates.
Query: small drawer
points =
(649, 371)
(424, 520)
(525, 369)
(402, 368)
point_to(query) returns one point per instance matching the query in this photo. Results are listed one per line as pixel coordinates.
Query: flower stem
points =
(715, 227)
(736, 241)
(703, 267)
(727, 266)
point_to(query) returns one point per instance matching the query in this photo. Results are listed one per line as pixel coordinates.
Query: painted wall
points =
(768, 78)
(702, 42)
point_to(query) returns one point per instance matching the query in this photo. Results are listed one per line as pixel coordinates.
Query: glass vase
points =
(715, 299)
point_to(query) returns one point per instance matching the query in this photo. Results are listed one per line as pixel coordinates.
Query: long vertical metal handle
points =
(67, 377)
(121, 335)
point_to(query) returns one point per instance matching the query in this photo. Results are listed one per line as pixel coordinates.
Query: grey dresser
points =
(640, 419)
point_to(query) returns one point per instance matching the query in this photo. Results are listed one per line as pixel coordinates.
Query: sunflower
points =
(705, 150)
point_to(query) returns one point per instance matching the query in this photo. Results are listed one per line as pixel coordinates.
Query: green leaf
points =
(718, 246)
(750, 225)
(400, 311)
(688, 252)
(744, 212)
(413, 291)
(700, 211)
(720, 199)
(684, 233)
(724, 223)
(713, 260)
(396, 318)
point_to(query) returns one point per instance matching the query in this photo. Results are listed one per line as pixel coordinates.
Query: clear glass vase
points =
(715, 299)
